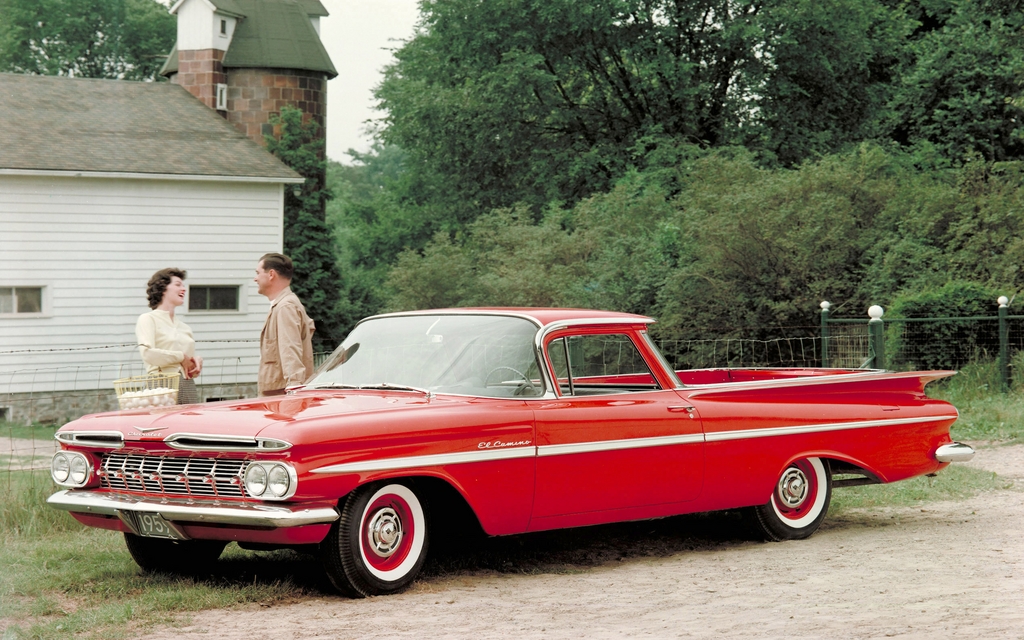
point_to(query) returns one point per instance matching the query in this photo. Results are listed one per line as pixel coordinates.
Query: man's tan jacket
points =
(286, 345)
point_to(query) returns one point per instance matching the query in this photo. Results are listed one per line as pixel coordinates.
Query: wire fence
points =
(740, 352)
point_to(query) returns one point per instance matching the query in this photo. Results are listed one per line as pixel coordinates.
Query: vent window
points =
(222, 97)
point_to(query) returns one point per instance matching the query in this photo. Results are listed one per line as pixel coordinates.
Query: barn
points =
(103, 182)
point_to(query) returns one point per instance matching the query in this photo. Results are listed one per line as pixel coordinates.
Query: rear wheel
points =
(173, 556)
(379, 544)
(799, 502)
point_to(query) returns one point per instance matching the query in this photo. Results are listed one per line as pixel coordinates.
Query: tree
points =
(832, 65)
(119, 39)
(959, 92)
(307, 240)
(540, 100)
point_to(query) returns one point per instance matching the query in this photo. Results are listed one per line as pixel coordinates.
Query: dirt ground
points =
(944, 570)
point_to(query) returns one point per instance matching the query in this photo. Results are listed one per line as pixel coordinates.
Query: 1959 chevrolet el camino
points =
(528, 419)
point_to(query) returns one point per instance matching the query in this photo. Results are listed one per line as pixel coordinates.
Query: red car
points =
(528, 419)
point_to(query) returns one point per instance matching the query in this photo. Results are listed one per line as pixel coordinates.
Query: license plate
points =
(153, 525)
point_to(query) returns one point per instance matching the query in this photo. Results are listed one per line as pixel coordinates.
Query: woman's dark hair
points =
(158, 284)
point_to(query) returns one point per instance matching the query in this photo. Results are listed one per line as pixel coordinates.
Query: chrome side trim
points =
(954, 452)
(411, 462)
(103, 439)
(214, 442)
(618, 445)
(720, 436)
(696, 390)
(387, 464)
(194, 511)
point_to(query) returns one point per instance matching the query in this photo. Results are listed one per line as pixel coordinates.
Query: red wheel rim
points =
(797, 490)
(387, 532)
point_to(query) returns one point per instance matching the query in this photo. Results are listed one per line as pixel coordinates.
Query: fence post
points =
(1004, 343)
(824, 333)
(876, 332)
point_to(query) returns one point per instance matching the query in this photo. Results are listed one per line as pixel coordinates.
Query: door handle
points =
(687, 409)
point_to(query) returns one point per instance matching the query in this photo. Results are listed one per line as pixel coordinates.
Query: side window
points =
(599, 364)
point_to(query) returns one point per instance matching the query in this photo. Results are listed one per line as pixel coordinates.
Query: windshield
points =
(479, 355)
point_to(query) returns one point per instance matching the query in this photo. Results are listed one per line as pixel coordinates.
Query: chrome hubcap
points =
(385, 532)
(793, 487)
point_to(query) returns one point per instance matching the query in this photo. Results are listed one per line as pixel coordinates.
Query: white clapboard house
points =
(102, 183)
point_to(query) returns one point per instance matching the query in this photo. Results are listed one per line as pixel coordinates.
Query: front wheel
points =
(799, 502)
(173, 556)
(379, 544)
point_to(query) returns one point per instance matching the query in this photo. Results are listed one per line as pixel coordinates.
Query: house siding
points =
(94, 242)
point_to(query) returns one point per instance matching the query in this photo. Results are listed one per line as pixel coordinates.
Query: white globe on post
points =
(875, 312)
(826, 305)
(1003, 301)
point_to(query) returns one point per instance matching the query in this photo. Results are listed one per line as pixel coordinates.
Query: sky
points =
(358, 35)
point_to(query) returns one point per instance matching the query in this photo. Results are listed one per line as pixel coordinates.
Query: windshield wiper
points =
(387, 386)
(383, 386)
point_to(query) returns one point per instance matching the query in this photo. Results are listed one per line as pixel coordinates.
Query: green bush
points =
(944, 344)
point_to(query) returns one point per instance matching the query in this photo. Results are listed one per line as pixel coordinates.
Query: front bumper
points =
(193, 511)
(954, 452)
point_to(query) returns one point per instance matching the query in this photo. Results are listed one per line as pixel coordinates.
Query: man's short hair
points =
(280, 263)
(157, 285)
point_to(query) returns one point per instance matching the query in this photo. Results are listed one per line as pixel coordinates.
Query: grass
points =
(28, 432)
(985, 413)
(82, 583)
(60, 579)
(952, 483)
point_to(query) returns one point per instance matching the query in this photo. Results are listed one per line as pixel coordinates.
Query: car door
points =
(615, 438)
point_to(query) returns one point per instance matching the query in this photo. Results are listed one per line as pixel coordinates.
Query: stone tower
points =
(249, 58)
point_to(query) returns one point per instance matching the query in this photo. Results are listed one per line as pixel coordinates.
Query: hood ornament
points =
(149, 429)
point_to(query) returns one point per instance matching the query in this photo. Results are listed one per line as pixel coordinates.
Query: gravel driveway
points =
(947, 570)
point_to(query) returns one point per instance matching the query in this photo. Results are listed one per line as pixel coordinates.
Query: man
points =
(286, 344)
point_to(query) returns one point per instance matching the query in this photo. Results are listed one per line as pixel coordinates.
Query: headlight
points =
(278, 480)
(79, 470)
(60, 468)
(256, 480)
(70, 469)
(270, 480)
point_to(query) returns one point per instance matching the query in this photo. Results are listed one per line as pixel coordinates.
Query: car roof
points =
(543, 316)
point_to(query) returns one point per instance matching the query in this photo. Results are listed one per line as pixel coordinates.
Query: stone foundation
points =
(64, 406)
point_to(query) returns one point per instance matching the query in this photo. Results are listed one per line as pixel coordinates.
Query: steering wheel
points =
(529, 385)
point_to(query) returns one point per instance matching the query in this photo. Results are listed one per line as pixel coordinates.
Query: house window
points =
(223, 27)
(222, 97)
(15, 300)
(213, 298)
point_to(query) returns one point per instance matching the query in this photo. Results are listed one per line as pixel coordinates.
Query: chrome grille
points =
(168, 475)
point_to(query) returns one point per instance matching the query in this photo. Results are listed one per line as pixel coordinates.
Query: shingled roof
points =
(271, 34)
(54, 123)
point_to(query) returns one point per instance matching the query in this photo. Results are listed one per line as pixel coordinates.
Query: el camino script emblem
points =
(498, 444)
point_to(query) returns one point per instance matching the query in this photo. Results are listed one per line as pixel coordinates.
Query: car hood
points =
(249, 418)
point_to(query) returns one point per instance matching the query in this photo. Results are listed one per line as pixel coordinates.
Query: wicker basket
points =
(143, 392)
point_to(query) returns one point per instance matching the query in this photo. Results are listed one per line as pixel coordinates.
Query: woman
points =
(166, 342)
